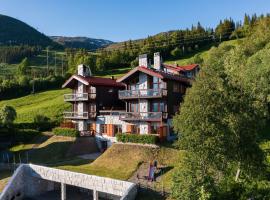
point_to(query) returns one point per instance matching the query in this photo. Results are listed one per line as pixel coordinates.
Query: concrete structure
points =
(33, 180)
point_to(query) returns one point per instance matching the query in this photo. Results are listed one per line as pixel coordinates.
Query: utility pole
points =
(62, 64)
(47, 61)
(33, 86)
(55, 63)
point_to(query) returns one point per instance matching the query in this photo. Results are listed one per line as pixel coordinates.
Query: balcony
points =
(79, 96)
(143, 116)
(77, 115)
(142, 93)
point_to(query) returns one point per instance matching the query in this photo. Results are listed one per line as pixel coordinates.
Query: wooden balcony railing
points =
(78, 115)
(143, 116)
(110, 112)
(142, 93)
(79, 96)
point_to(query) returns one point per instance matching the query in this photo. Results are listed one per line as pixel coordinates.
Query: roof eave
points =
(74, 77)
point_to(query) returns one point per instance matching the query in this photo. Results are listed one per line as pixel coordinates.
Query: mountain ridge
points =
(16, 32)
(81, 42)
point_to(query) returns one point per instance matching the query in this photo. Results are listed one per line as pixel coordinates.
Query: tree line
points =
(14, 54)
(172, 45)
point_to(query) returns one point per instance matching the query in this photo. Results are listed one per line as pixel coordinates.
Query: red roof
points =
(188, 67)
(102, 81)
(94, 81)
(153, 72)
(182, 68)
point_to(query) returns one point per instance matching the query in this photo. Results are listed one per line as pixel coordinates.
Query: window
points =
(158, 107)
(117, 128)
(156, 83)
(134, 107)
(103, 128)
(135, 129)
(189, 74)
(154, 128)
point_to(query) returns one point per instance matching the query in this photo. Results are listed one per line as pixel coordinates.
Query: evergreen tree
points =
(23, 67)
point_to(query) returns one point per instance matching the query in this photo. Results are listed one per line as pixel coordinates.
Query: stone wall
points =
(31, 180)
(14, 189)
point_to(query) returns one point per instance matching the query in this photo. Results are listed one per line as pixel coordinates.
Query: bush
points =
(45, 126)
(135, 138)
(42, 122)
(66, 132)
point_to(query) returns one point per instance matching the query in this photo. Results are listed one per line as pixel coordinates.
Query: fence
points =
(9, 159)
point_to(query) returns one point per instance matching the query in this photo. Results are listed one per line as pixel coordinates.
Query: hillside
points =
(203, 54)
(81, 42)
(49, 103)
(16, 32)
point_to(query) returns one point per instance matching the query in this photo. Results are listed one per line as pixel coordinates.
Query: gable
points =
(72, 81)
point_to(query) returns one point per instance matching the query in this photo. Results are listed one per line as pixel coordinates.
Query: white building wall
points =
(143, 81)
(144, 106)
(110, 119)
(81, 87)
(82, 124)
(143, 128)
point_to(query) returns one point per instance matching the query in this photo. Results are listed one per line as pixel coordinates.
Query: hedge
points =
(136, 138)
(66, 132)
(41, 126)
(25, 135)
(13, 136)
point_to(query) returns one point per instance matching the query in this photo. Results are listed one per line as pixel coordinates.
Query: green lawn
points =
(50, 103)
(121, 161)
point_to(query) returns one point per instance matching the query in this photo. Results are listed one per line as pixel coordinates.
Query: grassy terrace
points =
(52, 151)
(116, 162)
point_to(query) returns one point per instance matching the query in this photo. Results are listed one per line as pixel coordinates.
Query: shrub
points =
(42, 122)
(46, 126)
(135, 138)
(66, 132)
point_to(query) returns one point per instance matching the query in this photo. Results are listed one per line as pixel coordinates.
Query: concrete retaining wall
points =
(31, 180)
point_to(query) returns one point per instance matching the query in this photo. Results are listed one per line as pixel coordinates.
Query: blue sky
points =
(119, 20)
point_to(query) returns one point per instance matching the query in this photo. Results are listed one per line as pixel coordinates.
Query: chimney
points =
(112, 77)
(143, 60)
(84, 70)
(157, 61)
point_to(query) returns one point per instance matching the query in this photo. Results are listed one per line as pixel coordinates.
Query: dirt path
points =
(141, 176)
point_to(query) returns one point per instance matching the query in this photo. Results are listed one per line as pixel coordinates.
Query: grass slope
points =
(203, 54)
(121, 161)
(50, 103)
